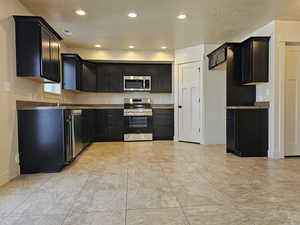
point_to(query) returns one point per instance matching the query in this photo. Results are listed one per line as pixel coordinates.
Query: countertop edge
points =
(23, 105)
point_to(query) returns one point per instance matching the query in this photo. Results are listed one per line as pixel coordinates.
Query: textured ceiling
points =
(208, 21)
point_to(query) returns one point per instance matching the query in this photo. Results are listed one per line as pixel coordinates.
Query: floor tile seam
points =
(153, 208)
(19, 205)
(126, 197)
(180, 206)
(73, 202)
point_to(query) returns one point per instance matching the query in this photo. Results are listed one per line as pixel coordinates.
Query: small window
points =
(54, 88)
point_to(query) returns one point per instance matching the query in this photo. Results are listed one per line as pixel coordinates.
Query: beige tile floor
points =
(157, 183)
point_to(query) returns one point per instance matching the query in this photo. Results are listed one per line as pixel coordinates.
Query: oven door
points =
(138, 128)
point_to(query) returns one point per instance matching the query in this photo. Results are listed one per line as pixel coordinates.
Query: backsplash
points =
(118, 98)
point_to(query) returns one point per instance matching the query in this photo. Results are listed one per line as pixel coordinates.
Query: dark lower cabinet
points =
(88, 119)
(247, 132)
(163, 124)
(42, 140)
(109, 125)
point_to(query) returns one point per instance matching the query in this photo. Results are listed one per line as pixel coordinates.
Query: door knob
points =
(180, 107)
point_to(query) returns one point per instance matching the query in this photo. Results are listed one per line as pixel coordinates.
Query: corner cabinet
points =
(255, 60)
(71, 71)
(37, 49)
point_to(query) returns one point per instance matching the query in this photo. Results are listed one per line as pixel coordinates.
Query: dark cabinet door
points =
(109, 125)
(88, 126)
(110, 77)
(55, 58)
(101, 124)
(50, 56)
(255, 60)
(161, 77)
(46, 54)
(115, 124)
(231, 131)
(163, 124)
(247, 132)
(88, 79)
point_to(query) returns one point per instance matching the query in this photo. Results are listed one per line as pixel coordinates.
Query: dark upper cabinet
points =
(217, 58)
(255, 60)
(161, 77)
(37, 49)
(110, 77)
(71, 71)
(163, 124)
(109, 125)
(88, 78)
(247, 132)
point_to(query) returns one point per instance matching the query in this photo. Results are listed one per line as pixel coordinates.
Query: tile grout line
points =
(180, 206)
(126, 196)
(28, 197)
(69, 213)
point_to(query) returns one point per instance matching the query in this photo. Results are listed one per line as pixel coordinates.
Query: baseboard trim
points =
(6, 176)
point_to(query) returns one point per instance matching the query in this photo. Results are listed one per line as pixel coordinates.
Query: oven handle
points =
(142, 114)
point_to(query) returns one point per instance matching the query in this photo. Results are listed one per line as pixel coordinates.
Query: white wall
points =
(124, 56)
(12, 89)
(214, 101)
(213, 95)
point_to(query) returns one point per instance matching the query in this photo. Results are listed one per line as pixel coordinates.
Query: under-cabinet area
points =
(51, 137)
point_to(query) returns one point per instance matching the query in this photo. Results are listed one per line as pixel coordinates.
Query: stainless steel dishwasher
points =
(77, 132)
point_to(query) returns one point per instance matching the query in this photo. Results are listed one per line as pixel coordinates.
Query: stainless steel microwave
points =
(137, 83)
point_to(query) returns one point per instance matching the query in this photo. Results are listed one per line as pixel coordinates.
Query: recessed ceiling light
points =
(164, 47)
(98, 46)
(132, 15)
(131, 46)
(80, 12)
(181, 16)
(67, 32)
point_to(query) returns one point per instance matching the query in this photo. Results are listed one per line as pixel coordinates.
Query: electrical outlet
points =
(7, 86)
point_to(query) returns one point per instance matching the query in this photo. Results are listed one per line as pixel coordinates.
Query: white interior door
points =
(189, 102)
(292, 97)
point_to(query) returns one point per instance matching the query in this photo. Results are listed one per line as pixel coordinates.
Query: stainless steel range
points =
(138, 119)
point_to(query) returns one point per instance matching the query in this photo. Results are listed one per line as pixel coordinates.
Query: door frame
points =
(282, 110)
(176, 95)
